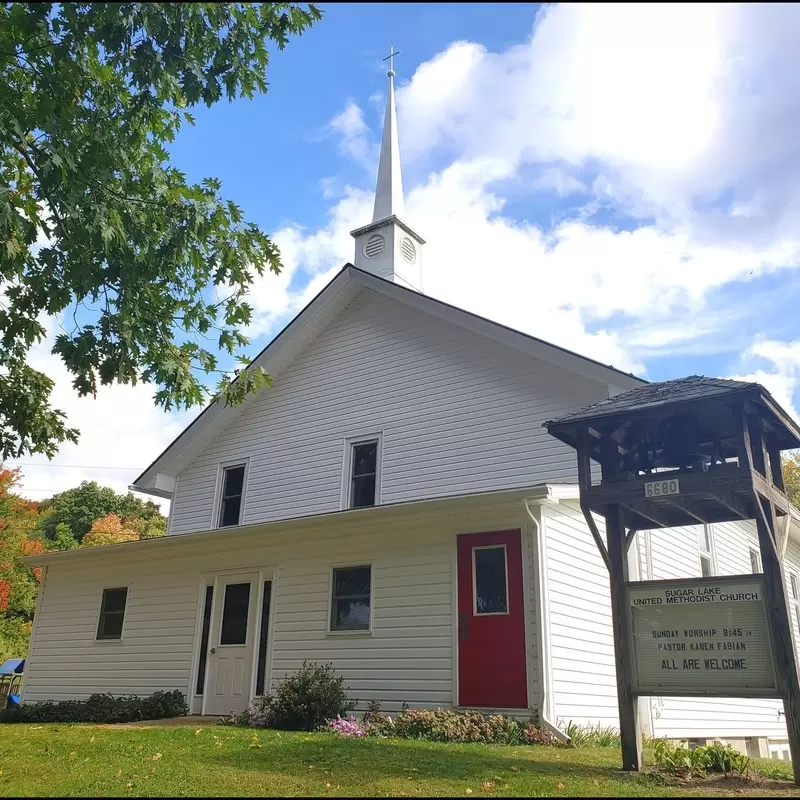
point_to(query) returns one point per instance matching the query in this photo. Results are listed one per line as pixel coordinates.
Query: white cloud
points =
(680, 117)
(782, 379)
(354, 140)
(120, 428)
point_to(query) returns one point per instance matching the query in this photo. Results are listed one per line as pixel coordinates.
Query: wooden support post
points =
(782, 640)
(623, 646)
(775, 465)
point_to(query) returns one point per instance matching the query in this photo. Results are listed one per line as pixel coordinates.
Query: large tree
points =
(76, 510)
(149, 272)
(18, 584)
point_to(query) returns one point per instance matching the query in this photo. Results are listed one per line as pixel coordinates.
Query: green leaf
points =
(90, 105)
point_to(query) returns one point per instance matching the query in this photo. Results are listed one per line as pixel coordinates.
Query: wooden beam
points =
(598, 539)
(629, 537)
(686, 505)
(770, 492)
(782, 640)
(728, 478)
(757, 447)
(733, 503)
(584, 461)
(649, 511)
(745, 447)
(623, 646)
(775, 464)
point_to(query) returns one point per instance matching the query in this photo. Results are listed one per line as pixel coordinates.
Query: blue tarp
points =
(12, 666)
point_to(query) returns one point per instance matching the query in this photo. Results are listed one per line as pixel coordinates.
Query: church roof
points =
(313, 319)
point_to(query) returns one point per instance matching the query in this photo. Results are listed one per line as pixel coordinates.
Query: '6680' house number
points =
(660, 488)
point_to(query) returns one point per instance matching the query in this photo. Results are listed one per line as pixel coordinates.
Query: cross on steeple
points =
(390, 59)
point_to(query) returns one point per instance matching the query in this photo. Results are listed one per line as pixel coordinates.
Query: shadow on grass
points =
(371, 760)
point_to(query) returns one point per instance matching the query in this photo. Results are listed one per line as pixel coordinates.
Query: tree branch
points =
(29, 161)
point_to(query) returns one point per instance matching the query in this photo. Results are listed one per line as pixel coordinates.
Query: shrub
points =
(717, 757)
(100, 708)
(591, 735)
(305, 701)
(462, 726)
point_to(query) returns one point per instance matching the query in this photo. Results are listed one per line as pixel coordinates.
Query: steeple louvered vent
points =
(374, 246)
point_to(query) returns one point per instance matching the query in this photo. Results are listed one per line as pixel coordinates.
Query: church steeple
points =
(389, 247)
(389, 189)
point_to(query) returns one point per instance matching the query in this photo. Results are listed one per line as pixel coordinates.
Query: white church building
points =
(392, 505)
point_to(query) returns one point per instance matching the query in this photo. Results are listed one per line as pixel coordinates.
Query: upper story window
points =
(705, 546)
(230, 504)
(364, 473)
(755, 560)
(112, 613)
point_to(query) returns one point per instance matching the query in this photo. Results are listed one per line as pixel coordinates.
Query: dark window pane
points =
(111, 626)
(262, 639)
(112, 613)
(201, 667)
(490, 580)
(365, 457)
(234, 614)
(351, 582)
(351, 615)
(351, 596)
(234, 481)
(705, 566)
(114, 599)
(363, 491)
(230, 511)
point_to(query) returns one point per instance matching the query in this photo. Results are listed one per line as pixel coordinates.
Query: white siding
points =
(409, 656)
(581, 638)
(459, 413)
(584, 682)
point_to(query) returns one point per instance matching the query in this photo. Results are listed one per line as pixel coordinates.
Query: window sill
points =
(108, 641)
(350, 633)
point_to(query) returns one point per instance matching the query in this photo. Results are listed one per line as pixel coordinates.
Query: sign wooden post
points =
(630, 735)
(694, 451)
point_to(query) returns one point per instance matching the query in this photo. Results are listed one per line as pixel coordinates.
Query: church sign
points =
(702, 636)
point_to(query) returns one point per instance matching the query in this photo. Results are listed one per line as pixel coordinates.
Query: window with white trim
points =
(232, 495)
(705, 547)
(794, 598)
(112, 613)
(364, 468)
(351, 592)
(755, 560)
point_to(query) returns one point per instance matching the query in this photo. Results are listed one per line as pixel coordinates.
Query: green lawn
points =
(77, 760)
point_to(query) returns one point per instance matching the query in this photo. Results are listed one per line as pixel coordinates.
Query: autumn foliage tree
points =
(791, 476)
(18, 583)
(109, 530)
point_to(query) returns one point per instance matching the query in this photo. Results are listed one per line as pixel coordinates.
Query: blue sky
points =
(620, 180)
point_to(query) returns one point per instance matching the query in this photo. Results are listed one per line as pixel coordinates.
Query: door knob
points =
(213, 650)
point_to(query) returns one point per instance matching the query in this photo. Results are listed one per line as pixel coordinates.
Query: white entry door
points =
(232, 644)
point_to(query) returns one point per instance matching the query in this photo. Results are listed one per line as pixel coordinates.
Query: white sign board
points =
(706, 636)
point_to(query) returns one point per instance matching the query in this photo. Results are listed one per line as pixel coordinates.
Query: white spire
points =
(388, 247)
(389, 189)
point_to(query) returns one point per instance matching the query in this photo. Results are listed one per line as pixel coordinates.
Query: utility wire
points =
(68, 466)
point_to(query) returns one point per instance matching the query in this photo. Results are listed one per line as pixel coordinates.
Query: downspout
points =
(542, 626)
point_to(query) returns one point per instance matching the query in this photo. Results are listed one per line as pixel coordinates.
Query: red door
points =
(491, 621)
